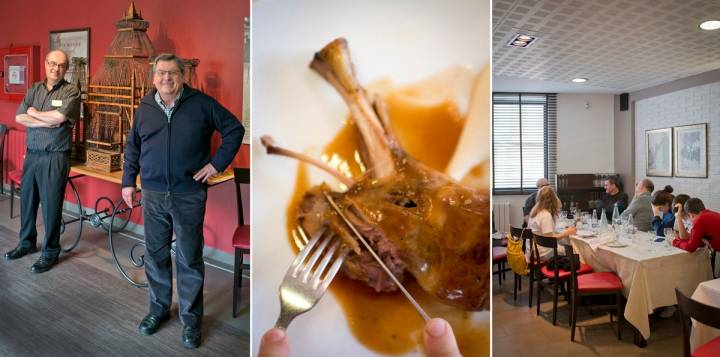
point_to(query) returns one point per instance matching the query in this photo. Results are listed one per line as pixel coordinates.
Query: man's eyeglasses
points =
(54, 64)
(162, 73)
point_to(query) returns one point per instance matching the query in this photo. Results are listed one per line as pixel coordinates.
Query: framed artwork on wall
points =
(658, 150)
(691, 150)
(76, 43)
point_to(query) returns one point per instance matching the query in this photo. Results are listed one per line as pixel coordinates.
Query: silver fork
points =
(307, 279)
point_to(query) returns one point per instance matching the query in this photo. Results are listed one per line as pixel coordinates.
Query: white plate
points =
(585, 234)
(616, 244)
(404, 40)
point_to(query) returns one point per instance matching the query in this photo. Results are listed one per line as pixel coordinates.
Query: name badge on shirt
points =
(56, 103)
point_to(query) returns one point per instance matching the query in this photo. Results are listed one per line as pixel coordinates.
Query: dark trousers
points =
(182, 213)
(43, 181)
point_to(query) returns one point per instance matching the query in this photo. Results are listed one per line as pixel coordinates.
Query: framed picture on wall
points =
(658, 149)
(76, 43)
(691, 150)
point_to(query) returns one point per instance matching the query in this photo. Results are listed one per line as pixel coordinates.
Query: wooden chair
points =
(713, 253)
(241, 238)
(499, 261)
(3, 136)
(533, 263)
(554, 278)
(704, 314)
(591, 284)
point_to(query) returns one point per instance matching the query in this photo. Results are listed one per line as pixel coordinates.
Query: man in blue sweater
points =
(169, 146)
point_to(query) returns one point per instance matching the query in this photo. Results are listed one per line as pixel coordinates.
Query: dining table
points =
(708, 293)
(650, 270)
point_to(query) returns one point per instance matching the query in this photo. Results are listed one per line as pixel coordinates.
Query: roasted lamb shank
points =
(417, 219)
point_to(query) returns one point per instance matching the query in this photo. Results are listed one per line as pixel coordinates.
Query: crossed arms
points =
(37, 119)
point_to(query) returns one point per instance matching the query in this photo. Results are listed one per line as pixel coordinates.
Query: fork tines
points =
(308, 265)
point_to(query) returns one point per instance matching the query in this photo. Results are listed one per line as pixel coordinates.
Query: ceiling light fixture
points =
(710, 25)
(579, 80)
(522, 40)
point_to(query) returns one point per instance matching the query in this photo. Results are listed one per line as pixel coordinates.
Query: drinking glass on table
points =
(669, 236)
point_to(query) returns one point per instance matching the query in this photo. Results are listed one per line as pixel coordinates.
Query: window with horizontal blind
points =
(523, 134)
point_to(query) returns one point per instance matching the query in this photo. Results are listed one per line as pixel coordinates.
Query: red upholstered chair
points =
(15, 177)
(704, 314)
(552, 278)
(241, 238)
(499, 260)
(590, 284)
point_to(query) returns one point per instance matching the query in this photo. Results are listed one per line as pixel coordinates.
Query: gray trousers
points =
(43, 181)
(184, 214)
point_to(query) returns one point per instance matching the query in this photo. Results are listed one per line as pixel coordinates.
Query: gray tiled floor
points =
(518, 331)
(93, 248)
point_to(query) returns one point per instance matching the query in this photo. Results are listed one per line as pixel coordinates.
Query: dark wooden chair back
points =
(546, 242)
(3, 135)
(242, 177)
(704, 314)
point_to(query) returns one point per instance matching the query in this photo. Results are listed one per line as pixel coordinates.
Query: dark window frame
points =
(520, 190)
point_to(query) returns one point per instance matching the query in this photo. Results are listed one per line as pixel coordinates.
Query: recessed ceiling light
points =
(710, 25)
(522, 40)
(579, 80)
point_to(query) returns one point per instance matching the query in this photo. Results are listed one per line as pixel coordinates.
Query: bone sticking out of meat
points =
(269, 144)
(333, 63)
(417, 219)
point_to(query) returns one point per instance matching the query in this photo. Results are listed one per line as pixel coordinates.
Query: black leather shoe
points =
(151, 323)
(19, 252)
(43, 264)
(191, 337)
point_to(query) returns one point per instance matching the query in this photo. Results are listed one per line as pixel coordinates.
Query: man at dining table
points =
(640, 207)
(705, 226)
(614, 194)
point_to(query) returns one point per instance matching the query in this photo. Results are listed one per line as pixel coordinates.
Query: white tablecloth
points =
(708, 293)
(650, 273)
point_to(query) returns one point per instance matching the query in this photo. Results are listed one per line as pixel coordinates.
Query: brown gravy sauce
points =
(386, 322)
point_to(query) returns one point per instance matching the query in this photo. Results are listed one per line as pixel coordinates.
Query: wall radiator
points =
(15, 150)
(501, 216)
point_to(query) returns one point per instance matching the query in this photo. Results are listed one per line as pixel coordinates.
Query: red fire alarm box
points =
(20, 69)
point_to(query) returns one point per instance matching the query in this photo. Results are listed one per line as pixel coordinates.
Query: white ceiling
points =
(620, 45)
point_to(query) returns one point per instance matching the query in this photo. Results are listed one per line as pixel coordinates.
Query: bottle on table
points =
(603, 224)
(616, 221)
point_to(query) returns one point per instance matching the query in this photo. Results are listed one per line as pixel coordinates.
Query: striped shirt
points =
(63, 97)
(168, 110)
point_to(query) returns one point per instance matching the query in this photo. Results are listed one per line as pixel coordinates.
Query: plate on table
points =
(585, 234)
(405, 41)
(616, 244)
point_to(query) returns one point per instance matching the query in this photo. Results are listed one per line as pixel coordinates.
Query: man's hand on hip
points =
(204, 174)
(127, 195)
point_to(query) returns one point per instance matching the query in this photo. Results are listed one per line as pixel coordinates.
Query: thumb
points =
(439, 339)
(274, 344)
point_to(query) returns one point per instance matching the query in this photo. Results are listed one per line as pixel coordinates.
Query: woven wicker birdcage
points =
(115, 91)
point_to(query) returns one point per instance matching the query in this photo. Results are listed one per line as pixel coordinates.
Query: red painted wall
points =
(211, 31)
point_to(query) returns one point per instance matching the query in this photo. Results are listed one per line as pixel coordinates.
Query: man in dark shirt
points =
(530, 200)
(48, 111)
(614, 194)
(169, 146)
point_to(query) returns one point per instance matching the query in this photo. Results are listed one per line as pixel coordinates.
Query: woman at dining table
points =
(683, 223)
(544, 216)
(661, 202)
